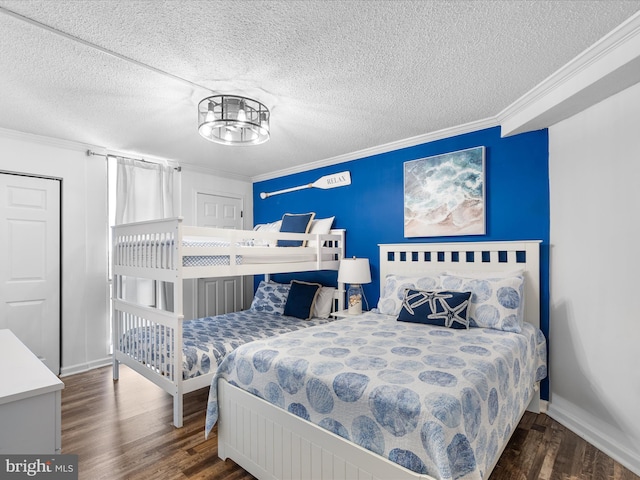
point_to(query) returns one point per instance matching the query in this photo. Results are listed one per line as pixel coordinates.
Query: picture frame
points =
(444, 195)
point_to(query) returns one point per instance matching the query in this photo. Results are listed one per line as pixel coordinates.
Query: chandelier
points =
(233, 120)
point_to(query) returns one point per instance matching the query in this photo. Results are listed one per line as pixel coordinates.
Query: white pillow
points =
(324, 302)
(267, 227)
(390, 302)
(496, 303)
(480, 274)
(320, 226)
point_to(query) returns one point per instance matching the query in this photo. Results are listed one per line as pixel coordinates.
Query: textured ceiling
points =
(338, 76)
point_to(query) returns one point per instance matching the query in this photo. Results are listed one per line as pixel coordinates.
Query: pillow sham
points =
(320, 226)
(270, 297)
(496, 303)
(442, 308)
(267, 227)
(324, 302)
(295, 223)
(390, 301)
(301, 300)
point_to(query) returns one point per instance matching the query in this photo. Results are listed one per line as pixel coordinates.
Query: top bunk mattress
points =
(157, 254)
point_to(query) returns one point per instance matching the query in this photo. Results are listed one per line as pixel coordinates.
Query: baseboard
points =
(85, 367)
(585, 425)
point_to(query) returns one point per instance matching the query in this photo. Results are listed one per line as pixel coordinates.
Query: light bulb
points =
(227, 136)
(210, 116)
(205, 130)
(264, 123)
(242, 115)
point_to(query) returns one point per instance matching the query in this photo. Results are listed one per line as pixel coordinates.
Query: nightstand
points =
(30, 401)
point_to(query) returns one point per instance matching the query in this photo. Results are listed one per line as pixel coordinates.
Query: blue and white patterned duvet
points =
(437, 401)
(206, 341)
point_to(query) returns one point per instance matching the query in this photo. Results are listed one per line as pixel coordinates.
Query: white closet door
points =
(219, 211)
(30, 266)
(219, 295)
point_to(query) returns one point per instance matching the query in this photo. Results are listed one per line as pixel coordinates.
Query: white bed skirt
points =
(271, 443)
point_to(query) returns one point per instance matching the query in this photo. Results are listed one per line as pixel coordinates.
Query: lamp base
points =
(354, 297)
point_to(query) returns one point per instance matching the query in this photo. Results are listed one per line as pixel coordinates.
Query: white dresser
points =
(30, 396)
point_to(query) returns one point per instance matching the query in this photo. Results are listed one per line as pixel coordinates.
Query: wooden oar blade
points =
(341, 179)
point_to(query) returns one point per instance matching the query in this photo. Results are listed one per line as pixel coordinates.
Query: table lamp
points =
(355, 272)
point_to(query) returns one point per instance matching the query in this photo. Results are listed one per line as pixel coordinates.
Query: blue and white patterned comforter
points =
(206, 341)
(435, 400)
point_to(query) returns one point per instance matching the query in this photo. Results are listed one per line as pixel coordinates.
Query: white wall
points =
(85, 335)
(196, 181)
(594, 321)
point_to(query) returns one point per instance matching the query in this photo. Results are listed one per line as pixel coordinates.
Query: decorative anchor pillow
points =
(441, 308)
(496, 303)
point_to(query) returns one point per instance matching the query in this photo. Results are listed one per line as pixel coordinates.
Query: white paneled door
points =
(219, 295)
(30, 266)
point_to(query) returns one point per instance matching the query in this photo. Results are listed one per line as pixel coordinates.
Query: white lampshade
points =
(354, 270)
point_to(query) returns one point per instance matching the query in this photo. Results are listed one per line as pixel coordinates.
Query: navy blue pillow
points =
(301, 299)
(295, 223)
(442, 308)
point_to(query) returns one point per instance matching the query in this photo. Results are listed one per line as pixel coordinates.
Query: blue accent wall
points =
(371, 208)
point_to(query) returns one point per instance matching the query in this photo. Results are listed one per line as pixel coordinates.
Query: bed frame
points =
(154, 250)
(272, 443)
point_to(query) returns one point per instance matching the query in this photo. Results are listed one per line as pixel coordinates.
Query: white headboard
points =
(412, 258)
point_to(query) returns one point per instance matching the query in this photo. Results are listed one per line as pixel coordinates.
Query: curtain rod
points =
(92, 153)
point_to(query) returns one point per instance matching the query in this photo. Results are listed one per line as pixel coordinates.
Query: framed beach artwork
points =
(444, 195)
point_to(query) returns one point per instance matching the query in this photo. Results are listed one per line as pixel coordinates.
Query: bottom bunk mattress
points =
(437, 401)
(206, 341)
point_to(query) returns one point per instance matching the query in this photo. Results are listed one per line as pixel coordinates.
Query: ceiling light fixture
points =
(233, 120)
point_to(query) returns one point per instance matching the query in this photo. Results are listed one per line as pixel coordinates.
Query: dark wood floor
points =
(123, 430)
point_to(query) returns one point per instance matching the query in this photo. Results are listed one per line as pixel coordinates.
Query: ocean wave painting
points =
(444, 195)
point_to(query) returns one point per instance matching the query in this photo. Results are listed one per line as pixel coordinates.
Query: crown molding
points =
(186, 166)
(83, 147)
(387, 147)
(49, 141)
(607, 67)
(77, 146)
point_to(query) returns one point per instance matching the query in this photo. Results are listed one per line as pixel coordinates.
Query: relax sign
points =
(341, 179)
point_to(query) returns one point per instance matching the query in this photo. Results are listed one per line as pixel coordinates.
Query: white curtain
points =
(145, 191)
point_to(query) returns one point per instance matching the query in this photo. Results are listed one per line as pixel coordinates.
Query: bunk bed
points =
(149, 337)
(374, 397)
